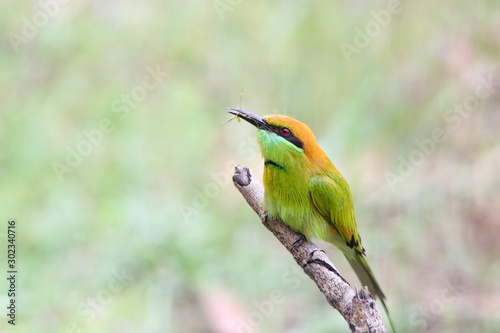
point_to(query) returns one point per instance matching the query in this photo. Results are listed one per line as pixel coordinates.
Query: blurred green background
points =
(120, 179)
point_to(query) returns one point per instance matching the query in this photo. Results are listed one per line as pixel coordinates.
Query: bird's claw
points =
(298, 242)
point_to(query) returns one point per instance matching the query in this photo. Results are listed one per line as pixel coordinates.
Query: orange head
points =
(281, 136)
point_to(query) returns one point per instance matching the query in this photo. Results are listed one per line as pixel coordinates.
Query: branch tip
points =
(242, 176)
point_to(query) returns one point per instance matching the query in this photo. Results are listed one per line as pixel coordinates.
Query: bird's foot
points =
(266, 217)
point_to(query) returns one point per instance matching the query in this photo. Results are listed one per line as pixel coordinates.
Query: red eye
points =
(285, 131)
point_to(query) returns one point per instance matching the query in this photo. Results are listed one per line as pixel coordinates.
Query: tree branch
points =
(357, 308)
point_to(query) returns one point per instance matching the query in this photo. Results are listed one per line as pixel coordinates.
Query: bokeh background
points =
(120, 179)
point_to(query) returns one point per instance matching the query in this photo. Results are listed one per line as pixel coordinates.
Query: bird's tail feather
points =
(365, 275)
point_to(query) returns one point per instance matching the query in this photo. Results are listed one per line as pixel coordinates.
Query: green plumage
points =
(305, 190)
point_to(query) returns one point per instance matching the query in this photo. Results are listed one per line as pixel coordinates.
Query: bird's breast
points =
(287, 197)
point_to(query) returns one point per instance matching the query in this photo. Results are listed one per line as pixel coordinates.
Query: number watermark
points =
(11, 271)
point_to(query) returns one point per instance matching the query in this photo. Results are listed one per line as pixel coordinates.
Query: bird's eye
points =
(285, 131)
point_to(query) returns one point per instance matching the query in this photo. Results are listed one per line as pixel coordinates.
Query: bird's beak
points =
(252, 118)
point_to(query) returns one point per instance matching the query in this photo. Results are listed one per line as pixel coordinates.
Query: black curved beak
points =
(252, 118)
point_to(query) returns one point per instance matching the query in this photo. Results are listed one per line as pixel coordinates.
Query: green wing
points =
(332, 197)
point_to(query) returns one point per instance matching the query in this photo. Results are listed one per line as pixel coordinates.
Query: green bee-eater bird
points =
(306, 191)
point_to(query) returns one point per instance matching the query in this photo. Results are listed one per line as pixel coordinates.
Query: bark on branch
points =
(357, 307)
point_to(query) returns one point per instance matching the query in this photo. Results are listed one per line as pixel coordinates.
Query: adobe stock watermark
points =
(219, 180)
(453, 119)
(121, 106)
(202, 196)
(93, 306)
(371, 30)
(293, 279)
(421, 318)
(223, 6)
(30, 26)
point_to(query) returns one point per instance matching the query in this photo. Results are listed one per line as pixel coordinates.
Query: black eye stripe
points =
(290, 137)
(296, 141)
